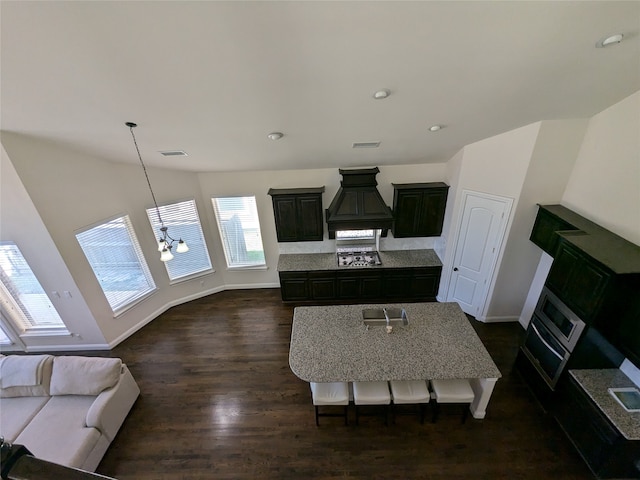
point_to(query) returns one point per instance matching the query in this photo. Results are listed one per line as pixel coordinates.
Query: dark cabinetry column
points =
(298, 214)
(418, 209)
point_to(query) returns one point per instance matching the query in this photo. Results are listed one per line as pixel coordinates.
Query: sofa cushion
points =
(16, 413)
(58, 433)
(84, 375)
(25, 375)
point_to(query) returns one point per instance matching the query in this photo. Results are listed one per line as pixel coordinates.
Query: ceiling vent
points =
(366, 145)
(174, 153)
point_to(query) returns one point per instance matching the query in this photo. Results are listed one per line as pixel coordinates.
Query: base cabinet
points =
(409, 284)
(294, 286)
(601, 445)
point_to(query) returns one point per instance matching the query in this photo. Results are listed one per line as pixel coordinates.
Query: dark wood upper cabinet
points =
(595, 273)
(298, 214)
(546, 228)
(418, 209)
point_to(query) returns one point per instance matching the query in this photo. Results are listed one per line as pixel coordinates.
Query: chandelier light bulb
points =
(182, 247)
(161, 245)
(166, 255)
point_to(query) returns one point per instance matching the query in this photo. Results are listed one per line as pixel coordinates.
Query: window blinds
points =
(114, 254)
(239, 228)
(183, 222)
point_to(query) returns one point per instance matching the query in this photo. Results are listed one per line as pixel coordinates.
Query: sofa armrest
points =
(111, 407)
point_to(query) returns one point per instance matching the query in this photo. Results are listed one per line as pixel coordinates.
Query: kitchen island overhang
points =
(333, 344)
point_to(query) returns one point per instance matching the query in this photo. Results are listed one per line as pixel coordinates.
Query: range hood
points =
(358, 205)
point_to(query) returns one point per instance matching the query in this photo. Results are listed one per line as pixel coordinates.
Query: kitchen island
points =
(403, 275)
(333, 344)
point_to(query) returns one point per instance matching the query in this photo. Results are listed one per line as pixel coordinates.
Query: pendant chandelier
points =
(165, 242)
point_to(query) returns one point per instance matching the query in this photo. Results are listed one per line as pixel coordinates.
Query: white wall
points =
(22, 225)
(548, 170)
(605, 183)
(497, 166)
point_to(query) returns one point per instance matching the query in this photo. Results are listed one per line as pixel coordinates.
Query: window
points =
(114, 254)
(184, 223)
(24, 301)
(239, 227)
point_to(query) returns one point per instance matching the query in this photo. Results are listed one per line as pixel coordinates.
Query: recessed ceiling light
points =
(610, 40)
(275, 135)
(435, 128)
(380, 94)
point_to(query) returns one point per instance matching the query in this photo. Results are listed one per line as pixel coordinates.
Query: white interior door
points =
(482, 227)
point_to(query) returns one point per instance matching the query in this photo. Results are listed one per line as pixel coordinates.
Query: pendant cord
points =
(144, 169)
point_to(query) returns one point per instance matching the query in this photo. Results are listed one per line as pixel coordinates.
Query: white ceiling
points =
(214, 78)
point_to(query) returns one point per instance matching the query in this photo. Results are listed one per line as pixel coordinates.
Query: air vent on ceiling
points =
(366, 145)
(174, 153)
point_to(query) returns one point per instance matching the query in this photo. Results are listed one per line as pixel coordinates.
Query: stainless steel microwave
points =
(565, 325)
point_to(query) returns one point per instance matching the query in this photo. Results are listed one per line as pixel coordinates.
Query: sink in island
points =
(333, 344)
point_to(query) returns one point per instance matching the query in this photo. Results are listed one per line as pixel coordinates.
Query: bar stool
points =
(371, 393)
(455, 390)
(330, 394)
(404, 392)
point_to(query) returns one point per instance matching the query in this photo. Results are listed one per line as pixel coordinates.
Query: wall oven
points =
(563, 323)
(552, 335)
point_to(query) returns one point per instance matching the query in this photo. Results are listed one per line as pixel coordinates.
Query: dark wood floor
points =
(220, 402)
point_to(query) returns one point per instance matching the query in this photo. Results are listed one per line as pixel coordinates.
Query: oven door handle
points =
(553, 350)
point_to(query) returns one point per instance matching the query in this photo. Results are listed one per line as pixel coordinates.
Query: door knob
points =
(455, 269)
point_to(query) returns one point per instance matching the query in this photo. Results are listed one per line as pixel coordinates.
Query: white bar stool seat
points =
(371, 393)
(455, 390)
(330, 394)
(405, 392)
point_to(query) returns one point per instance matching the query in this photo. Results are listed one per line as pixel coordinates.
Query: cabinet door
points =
(425, 283)
(432, 212)
(322, 285)
(309, 219)
(407, 216)
(371, 285)
(578, 281)
(294, 286)
(544, 231)
(285, 212)
(397, 283)
(347, 285)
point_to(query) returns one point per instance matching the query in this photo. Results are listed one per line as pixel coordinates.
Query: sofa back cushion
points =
(84, 375)
(25, 375)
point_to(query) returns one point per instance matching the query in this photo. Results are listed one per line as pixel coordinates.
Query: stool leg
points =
(357, 416)
(435, 412)
(317, 423)
(346, 415)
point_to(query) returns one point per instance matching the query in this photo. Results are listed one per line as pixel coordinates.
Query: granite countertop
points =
(332, 344)
(292, 262)
(596, 384)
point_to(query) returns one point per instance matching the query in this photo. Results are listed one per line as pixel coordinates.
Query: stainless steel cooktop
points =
(358, 259)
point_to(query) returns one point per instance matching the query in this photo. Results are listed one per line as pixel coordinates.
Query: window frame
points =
(17, 318)
(239, 266)
(174, 229)
(123, 305)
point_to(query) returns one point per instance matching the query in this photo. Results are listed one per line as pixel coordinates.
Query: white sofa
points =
(64, 409)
